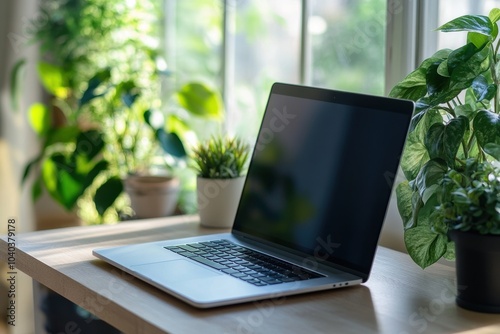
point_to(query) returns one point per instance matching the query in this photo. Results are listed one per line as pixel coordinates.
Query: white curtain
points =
(17, 145)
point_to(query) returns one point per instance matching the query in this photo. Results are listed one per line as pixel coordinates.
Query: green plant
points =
(105, 116)
(220, 158)
(456, 119)
(470, 201)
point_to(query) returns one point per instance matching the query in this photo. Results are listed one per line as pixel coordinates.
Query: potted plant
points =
(455, 122)
(104, 120)
(470, 213)
(220, 164)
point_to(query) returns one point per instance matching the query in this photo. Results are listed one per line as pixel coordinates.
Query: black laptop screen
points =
(322, 171)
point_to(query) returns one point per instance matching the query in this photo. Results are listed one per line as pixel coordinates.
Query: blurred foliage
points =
(350, 54)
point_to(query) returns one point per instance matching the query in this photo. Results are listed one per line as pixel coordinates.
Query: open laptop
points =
(311, 210)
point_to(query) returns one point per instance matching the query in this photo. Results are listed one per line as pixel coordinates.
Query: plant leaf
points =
(53, 79)
(479, 40)
(494, 15)
(424, 246)
(430, 174)
(465, 73)
(486, 127)
(482, 90)
(29, 166)
(461, 55)
(475, 23)
(415, 154)
(200, 100)
(93, 86)
(171, 143)
(107, 193)
(442, 141)
(492, 149)
(89, 144)
(15, 79)
(404, 195)
(65, 134)
(40, 119)
(434, 81)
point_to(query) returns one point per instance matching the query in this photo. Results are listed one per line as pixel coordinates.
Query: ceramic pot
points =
(478, 271)
(218, 200)
(152, 196)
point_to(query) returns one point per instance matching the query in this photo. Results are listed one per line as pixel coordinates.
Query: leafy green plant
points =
(105, 116)
(470, 201)
(456, 119)
(220, 158)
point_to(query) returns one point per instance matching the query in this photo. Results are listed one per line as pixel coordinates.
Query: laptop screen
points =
(322, 171)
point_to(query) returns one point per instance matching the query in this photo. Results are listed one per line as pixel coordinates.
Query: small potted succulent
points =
(220, 164)
(470, 214)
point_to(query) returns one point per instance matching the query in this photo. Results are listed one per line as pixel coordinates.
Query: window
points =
(243, 46)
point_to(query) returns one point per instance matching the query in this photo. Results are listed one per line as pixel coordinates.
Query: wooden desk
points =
(398, 298)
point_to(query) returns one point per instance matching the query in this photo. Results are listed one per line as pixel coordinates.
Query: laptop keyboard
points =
(248, 265)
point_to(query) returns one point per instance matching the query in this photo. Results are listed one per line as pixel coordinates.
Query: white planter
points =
(152, 196)
(218, 200)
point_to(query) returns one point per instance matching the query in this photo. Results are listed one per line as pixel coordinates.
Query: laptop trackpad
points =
(173, 271)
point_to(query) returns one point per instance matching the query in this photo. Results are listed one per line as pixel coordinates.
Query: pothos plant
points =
(456, 121)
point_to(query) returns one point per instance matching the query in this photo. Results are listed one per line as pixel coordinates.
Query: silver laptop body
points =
(311, 210)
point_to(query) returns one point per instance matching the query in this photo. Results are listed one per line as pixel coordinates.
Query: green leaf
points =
(88, 178)
(404, 195)
(486, 127)
(29, 166)
(107, 193)
(479, 40)
(94, 88)
(464, 110)
(424, 246)
(15, 79)
(465, 73)
(89, 144)
(430, 175)
(64, 134)
(53, 79)
(475, 23)
(415, 154)
(450, 251)
(494, 15)
(492, 149)
(435, 82)
(200, 100)
(171, 143)
(482, 90)
(154, 119)
(414, 85)
(50, 178)
(442, 141)
(461, 55)
(40, 119)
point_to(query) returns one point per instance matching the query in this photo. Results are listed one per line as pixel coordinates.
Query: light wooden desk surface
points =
(398, 298)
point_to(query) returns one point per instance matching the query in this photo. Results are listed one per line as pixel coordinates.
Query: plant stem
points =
(494, 75)
(451, 111)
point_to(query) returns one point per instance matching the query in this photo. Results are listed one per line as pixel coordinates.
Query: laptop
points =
(311, 210)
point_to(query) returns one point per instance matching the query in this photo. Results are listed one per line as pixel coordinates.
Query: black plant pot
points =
(478, 271)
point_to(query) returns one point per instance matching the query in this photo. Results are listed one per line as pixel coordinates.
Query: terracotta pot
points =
(152, 196)
(218, 200)
(478, 271)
